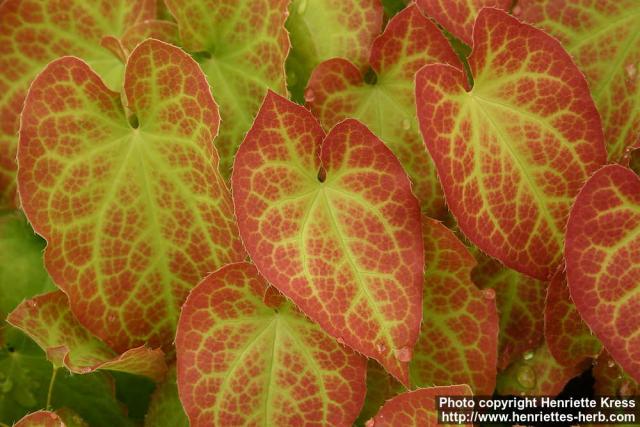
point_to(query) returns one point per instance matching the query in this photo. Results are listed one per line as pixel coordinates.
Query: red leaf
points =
(40, 419)
(602, 253)
(338, 233)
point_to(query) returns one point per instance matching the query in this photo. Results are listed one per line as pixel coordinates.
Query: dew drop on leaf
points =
(526, 377)
(528, 355)
(403, 354)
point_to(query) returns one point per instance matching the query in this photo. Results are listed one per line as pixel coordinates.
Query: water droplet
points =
(6, 385)
(632, 71)
(381, 348)
(302, 7)
(611, 363)
(489, 293)
(403, 354)
(626, 389)
(528, 355)
(406, 124)
(31, 303)
(309, 95)
(526, 377)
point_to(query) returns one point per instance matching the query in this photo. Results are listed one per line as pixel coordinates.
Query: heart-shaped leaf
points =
(415, 408)
(602, 252)
(324, 29)
(246, 356)
(569, 340)
(48, 320)
(458, 342)
(520, 302)
(458, 16)
(135, 214)
(338, 90)
(35, 32)
(513, 151)
(331, 222)
(603, 38)
(241, 46)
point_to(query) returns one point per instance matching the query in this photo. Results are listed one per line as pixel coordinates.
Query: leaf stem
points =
(54, 373)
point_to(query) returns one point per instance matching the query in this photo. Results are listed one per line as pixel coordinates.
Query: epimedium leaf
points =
(416, 408)
(602, 253)
(324, 29)
(247, 356)
(151, 28)
(338, 90)
(41, 419)
(331, 222)
(603, 38)
(458, 16)
(537, 373)
(513, 151)
(242, 46)
(35, 32)
(520, 301)
(48, 320)
(569, 340)
(381, 386)
(135, 214)
(458, 342)
(611, 380)
(165, 409)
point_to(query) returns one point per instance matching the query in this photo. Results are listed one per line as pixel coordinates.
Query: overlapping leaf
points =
(513, 151)
(337, 90)
(381, 386)
(324, 29)
(611, 380)
(48, 320)
(520, 302)
(458, 16)
(603, 38)
(569, 340)
(165, 409)
(602, 253)
(634, 160)
(242, 46)
(134, 214)
(41, 419)
(458, 342)
(248, 357)
(536, 373)
(35, 32)
(331, 222)
(416, 408)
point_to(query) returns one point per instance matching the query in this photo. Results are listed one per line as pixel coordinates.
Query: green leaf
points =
(165, 409)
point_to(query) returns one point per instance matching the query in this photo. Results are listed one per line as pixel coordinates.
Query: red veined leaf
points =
(70, 418)
(324, 29)
(381, 386)
(611, 380)
(458, 342)
(41, 419)
(513, 151)
(242, 46)
(602, 253)
(134, 214)
(48, 320)
(537, 373)
(332, 223)
(603, 38)
(242, 361)
(458, 16)
(416, 408)
(569, 340)
(520, 302)
(35, 32)
(160, 30)
(165, 409)
(337, 90)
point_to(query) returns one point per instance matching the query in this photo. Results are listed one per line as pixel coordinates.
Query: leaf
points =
(611, 380)
(458, 342)
(415, 408)
(41, 419)
(324, 29)
(458, 16)
(520, 303)
(242, 45)
(603, 38)
(391, 7)
(35, 32)
(602, 253)
(70, 418)
(48, 320)
(338, 90)
(537, 373)
(513, 151)
(285, 370)
(380, 387)
(134, 214)
(160, 30)
(25, 374)
(165, 409)
(569, 340)
(634, 160)
(331, 222)
(22, 273)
